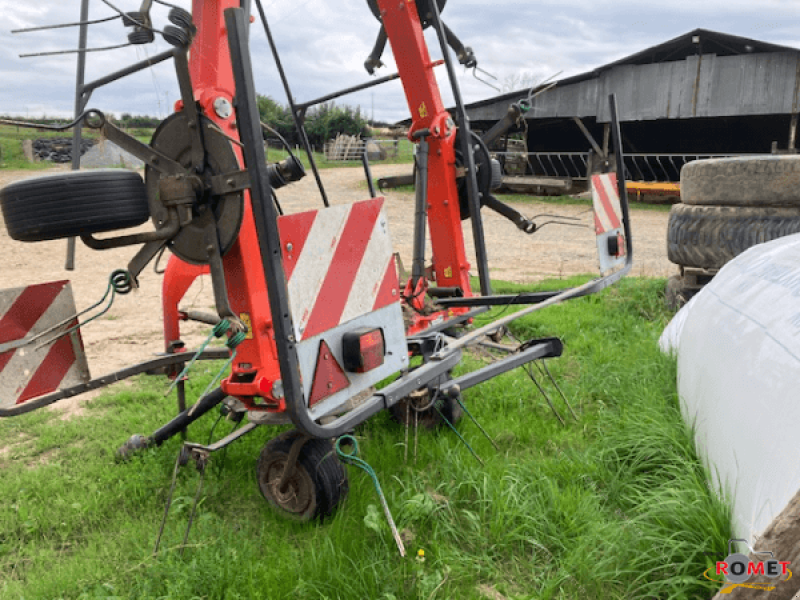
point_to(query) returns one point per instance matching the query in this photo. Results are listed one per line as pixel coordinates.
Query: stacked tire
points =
(729, 205)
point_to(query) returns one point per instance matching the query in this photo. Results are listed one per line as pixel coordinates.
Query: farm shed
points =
(701, 94)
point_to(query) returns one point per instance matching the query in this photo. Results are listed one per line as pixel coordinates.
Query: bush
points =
(321, 124)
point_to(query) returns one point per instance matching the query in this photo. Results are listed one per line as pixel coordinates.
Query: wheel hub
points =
(193, 192)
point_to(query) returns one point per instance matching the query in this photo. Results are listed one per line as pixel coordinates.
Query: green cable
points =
(236, 339)
(218, 331)
(351, 458)
(120, 282)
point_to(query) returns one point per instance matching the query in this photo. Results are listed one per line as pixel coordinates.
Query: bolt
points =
(230, 182)
(223, 107)
(289, 247)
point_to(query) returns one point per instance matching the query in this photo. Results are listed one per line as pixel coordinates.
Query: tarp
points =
(738, 349)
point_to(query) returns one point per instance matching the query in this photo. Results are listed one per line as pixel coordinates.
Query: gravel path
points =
(132, 331)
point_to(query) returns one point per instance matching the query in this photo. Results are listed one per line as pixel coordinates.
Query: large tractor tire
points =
(707, 237)
(742, 181)
(73, 203)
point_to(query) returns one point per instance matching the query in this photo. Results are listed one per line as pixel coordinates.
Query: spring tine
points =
(474, 420)
(407, 424)
(62, 25)
(194, 506)
(461, 437)
(475, 75)
(74, 51)
(416, 434)
(543, 366)
(169, 501)
(546, 397)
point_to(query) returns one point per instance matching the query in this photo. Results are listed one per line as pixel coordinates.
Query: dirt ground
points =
(132, 332)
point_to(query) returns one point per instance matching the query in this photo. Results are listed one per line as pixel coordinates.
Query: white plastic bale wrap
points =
(738, 347)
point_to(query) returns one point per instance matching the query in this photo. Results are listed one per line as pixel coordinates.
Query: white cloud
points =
(323, 45)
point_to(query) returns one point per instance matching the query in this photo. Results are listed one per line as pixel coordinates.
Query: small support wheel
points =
(313, 487)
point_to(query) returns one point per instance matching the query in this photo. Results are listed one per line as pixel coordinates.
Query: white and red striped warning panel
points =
(608, 221)
(32, 365)
(342, 277)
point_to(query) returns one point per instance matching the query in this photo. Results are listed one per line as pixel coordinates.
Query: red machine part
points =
(450, 265)
(255, 370)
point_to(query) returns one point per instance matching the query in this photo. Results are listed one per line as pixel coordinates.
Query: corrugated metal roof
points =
(732, 76)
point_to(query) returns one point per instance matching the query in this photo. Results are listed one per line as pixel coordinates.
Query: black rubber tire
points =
(320, 481)
(707, 237)
(73, 204)
(742, 181)
(677, 293)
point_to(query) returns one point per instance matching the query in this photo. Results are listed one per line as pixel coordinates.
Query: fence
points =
(574, 165)
(346, 147)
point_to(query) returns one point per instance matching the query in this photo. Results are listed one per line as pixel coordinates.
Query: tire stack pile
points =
(728, 205)
(58, 150)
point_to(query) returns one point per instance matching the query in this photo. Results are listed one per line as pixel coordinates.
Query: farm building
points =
(701, 94)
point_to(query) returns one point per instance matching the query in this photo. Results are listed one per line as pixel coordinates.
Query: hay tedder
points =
(310, 304)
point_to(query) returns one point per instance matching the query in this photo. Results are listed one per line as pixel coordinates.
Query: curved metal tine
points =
(549, 216)
(194, 507)
(491, 85)
(41, 126)
(62, 25)
(75, 51)
(529, 371)
(542, 366)
(459, 436)
(477, 424)
(582, 225)
(169, 501)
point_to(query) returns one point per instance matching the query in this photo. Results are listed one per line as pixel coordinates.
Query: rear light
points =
(363, 349)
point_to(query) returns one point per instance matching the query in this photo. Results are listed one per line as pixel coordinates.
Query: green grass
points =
(405, 155)
(12, 157)
(11, 154)
(612, 506)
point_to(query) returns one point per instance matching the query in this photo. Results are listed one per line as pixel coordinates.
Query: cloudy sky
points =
(323, 45)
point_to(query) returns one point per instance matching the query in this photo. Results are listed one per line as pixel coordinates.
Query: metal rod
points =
(130, 69)
(62, 25)
(187, 417)
(616, 134)
(469, 160)
(169, 501)
(588, 135)
(353, 89)
(80, 105)
(290, 99)
(420, 212)
(368, 173)
(529, 371)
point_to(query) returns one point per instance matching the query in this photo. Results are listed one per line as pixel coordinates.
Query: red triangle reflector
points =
(329, 377)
